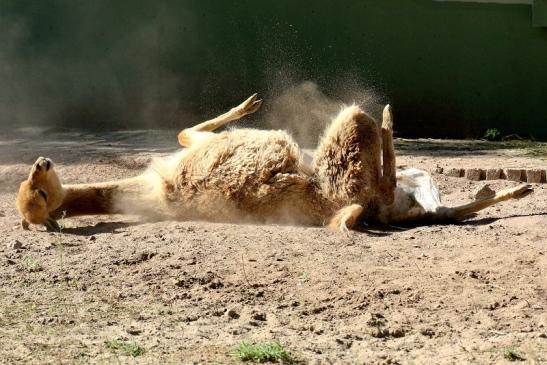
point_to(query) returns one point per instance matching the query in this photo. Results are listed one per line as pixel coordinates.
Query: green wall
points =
(450, 69)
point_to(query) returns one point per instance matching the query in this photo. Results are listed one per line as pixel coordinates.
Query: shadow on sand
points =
(381, 230)
(101, 227)
(490, 220)
(376, 230)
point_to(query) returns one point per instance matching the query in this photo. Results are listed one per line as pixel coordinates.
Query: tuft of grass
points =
(269, 352)
(513, 354)
(492, 134)
(130, 348)
(32, 264)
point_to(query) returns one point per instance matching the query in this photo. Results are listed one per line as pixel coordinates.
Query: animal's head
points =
(40, 194)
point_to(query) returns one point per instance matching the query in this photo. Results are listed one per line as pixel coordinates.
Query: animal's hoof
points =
(344, 228)
(249, 106)
(522, 191)
(387, 118)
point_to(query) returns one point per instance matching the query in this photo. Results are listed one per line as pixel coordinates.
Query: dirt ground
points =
(190, 292)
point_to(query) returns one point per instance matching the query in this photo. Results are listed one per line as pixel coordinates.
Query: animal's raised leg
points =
(348, 164)
(189, 136)
(389, 179)
(463, 211)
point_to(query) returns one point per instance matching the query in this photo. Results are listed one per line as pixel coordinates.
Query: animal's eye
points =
(43, 194)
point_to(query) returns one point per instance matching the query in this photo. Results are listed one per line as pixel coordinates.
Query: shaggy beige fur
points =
(249, 175)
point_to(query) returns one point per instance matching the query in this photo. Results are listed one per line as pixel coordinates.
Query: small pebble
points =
(259, 316)
(134, 331)
(232, 314)
(14, 245)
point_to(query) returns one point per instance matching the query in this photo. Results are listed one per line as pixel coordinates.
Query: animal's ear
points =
(52, 225)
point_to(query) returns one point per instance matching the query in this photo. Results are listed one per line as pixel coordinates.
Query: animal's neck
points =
(99, 198)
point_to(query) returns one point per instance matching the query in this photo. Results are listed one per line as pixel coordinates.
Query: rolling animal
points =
(261, 176)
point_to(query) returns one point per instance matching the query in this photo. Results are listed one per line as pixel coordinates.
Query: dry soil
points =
(190, 292)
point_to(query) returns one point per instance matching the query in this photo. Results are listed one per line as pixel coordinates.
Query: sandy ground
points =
(190, 292)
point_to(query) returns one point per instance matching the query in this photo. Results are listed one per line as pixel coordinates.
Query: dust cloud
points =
(305, 111)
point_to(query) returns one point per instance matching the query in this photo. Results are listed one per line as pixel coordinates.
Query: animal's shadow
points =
(490, 220)
(377, 230)
(469, 222)
(101, 227)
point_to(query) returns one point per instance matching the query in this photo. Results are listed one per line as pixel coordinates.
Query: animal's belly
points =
(285, 198)
(245, 175)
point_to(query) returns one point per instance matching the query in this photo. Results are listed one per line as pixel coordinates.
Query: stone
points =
(474, 174)
(14, 245)
(429, 332)
(259, 316)
(535, 176)
(493, 174)
(232, 313)
(484, 192)
(514, 174)
(455, 172)
(134, 331)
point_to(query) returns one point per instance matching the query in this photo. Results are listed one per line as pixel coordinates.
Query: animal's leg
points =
(389, 180)
(348, 159)
(249, 106)
(345, 218)
(463, 211)
(189, 137)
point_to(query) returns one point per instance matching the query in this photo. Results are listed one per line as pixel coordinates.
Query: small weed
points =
(513, 354)
(492, 134)
(269, 352)
(305, 277)
(32, 265)
(130, 348)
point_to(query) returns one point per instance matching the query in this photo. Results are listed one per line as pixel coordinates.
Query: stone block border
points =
(524, 175)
